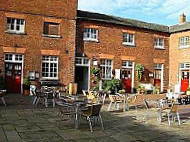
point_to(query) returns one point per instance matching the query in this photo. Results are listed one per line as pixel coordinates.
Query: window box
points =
(159, 47)
(128, 44)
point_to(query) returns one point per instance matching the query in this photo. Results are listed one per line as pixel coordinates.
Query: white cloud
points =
(168, 9)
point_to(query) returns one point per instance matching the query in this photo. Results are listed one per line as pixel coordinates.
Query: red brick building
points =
(37, 38)
(116, 43)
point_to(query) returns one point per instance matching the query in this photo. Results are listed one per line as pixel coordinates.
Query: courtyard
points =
(21, 122)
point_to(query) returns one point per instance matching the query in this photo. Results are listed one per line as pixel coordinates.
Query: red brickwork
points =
(110, 42)
(35, 13)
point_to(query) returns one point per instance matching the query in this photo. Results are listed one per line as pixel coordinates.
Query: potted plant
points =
(156, 90)
(26, 86)
(139, 71)
(188, 91)
(112, 85)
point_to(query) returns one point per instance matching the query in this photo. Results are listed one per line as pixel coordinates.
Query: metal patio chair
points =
(92, 114)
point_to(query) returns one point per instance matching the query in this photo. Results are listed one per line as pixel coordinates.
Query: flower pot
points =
(26, 92)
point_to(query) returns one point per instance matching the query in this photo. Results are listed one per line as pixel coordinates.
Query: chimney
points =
(182, 18)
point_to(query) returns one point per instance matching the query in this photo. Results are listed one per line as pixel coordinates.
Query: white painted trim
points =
(133, 78)
(162, 78)
(89, 75)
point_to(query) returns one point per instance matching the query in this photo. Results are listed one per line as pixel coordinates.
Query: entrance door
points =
(157, 77)
(184, 80)
(13, 73)
(127, 80)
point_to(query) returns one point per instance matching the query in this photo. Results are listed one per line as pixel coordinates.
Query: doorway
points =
(158, 76)
(13, 72)
(127, 76)
(184, 71)
(82, 74)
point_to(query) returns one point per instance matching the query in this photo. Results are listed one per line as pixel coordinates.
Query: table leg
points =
(77, 117)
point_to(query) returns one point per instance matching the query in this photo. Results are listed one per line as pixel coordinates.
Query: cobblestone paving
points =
(20, 122)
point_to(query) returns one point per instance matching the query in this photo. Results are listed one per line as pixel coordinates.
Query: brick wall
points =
(177, 56)
(35, 13)
(110, 42)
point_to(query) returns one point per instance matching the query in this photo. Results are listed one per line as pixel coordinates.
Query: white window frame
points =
(106, 65)
(157, 43)
(128, 38)
(49, 62)
(83, 61)
(15, 58)
(22, 26)
(127, 64)
(89, 35)
(183, 42)
(185, 66)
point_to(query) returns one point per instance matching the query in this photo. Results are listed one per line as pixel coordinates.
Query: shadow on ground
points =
(21, 122)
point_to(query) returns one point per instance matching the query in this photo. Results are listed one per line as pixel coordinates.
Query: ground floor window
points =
(106, 69)
(50, 67)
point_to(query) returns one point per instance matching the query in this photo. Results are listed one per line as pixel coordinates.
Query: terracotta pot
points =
(26, 92)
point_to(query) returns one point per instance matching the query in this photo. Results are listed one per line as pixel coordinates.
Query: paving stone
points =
(13, 136)
(2, 135)
(8, 128)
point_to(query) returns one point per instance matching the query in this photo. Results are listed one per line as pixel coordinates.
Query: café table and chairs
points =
(2, 94)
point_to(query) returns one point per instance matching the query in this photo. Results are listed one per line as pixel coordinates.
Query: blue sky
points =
(164, 12)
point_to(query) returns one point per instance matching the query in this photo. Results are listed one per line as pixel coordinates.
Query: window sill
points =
(91, 40)
(184, 47)
(51, 36)
(128, 44)
(15, 33)
(159, 47)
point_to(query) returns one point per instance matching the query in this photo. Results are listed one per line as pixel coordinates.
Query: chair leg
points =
(3, 100)
(53, 100)
(34, 101)
(46, 102)
(101, 122)
(37, 101)
(169, 121)
(90, 123)
(109, 107)
(159, 119)
(178, 118)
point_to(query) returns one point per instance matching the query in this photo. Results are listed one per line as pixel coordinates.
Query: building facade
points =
(37, 39)
(179, 54)
(53, 43)
(117, 45)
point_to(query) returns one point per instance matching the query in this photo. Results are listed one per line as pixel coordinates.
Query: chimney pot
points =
(182, 18)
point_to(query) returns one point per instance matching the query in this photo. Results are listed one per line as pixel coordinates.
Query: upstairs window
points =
(90, 34)
(51, 29)
(184, 42)
(106, 69)
(15, 25)
(159, 43)
(128, 39)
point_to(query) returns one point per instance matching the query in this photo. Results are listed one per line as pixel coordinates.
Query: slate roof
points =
(91, 16)
(120, 21)
(180, 27)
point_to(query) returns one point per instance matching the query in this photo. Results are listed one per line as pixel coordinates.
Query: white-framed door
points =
(128, 73)
(159, 75)
(82, 73)
(13, 72)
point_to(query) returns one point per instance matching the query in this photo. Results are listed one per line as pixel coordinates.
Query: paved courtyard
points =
(20, 122)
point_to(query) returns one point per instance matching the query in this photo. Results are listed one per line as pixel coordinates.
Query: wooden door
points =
(13, 73)
(184, 80)
(157, 77)
(127, 79)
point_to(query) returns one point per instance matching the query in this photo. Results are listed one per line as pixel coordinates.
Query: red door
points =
(184, 81)
(157, 77)
(126, 80)
(13, 77)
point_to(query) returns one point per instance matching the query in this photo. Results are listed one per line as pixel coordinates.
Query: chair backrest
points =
(91, 95)
(96, 109)
(174, 108)
(84, 92)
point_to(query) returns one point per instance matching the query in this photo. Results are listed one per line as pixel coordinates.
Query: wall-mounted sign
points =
(37, 74)
(32, 75)
(95, 63)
